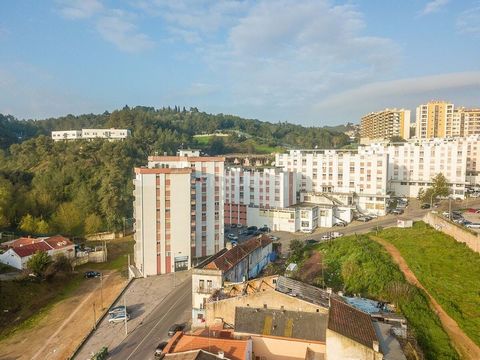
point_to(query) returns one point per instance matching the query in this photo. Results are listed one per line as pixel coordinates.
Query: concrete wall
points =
(9, 257)
(225, 309)
(274, 348)
(456, 231)
(340, 347)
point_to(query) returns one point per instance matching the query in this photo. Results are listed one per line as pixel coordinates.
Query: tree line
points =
(81, 187)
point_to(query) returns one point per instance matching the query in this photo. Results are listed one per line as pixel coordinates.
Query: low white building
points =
(16, 253)
(89, 134)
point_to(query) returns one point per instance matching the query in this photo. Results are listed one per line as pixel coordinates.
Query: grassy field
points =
(358, 265)
(449, 270)
(28, 301)
(203, 140)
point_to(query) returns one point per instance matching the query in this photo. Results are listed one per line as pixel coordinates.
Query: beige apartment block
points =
(385, 124)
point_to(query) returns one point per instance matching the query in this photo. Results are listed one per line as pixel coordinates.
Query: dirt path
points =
(464, 345)
(66, 324)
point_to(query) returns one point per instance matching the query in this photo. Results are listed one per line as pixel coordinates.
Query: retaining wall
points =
(458, 232)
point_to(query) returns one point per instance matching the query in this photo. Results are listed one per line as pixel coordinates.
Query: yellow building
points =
(435, 119)
(385, 124)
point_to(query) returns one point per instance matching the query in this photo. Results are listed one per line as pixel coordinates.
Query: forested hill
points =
(81, 187)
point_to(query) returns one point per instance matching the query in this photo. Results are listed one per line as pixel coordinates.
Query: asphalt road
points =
(141, 344)
(412, 212)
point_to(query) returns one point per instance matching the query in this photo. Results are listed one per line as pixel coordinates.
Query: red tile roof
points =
(21, 241)
(30, 249)
(236, 254)
(58, 242)
(350, 322)
(233, 349)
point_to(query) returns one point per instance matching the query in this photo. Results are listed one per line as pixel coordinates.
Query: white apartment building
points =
(412, 165)
(360, 175)
(208, 203)
(267, 188)
(163, 220)
(66, 135)
(111, 134)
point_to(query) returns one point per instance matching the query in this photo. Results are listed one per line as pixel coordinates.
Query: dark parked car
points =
(252, 228)
(425, 206)
(249, 232)
(159, 349)
(311, 241)
(92, 274)
(341, 224)
(397, 211)
(264, 229)
(174, 328)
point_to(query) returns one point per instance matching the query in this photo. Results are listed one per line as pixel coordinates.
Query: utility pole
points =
(101, 289)
(450, 208)
(125, 305)
(94, 317)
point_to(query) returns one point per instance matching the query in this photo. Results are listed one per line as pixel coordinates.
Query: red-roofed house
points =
(228, 348)
(240, 263)
(17, 252)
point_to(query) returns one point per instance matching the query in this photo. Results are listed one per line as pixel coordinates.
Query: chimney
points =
(376, 346)
(221, 354)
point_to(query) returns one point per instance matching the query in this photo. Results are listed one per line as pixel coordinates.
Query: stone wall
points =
(458, 232)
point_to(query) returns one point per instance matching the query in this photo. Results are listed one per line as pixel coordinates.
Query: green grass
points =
(203, 140)
(265, 149)
(29, 301)
(449, 270)
(358, 265)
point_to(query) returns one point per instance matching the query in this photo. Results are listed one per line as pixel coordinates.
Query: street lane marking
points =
(158, 322)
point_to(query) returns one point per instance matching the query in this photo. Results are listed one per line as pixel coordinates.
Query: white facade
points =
(11, 258)
(67, 135)
(208, 197)
(277, 219)
(111, 134)
(163, 220)
(413, 165)
(362, 172)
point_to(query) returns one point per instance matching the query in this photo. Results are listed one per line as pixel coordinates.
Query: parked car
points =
(239, 226)
(340, 223)
(234, 239)
(159, 350)
(373, 216)
(117, 310)
(364, 218)
(336, 234)
(234, 242)
(233, 226)
(174, 328)
(264, 229)
(311, 241)
(274, 238)
(119, 318)
(425, 206)
(326, 237)
(473, 226)
(231, 235)
(252, 228)
(91, 274)
(397, 211)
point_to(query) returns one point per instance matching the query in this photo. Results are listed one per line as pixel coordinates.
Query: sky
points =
(312, 62)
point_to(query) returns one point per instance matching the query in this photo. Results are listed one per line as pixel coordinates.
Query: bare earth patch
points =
(66, 324)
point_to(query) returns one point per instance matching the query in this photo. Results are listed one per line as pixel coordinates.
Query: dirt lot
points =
(67, 322)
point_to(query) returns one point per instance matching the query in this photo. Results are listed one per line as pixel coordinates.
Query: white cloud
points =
(117, 28)
(434, 6)
(398, 93)
(80, 9)
(468, 22)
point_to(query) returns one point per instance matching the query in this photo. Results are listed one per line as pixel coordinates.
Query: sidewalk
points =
(142, 297)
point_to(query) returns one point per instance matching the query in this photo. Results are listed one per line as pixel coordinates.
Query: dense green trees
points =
(439, 188)
(81, 187)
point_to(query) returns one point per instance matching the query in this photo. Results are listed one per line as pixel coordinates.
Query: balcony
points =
(204, 290)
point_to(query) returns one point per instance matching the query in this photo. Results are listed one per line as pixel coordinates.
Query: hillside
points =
(79, 187)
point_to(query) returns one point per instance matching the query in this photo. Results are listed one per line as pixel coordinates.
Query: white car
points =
(336, 234)
(326, 237)
(274, 238)
(119, 318)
